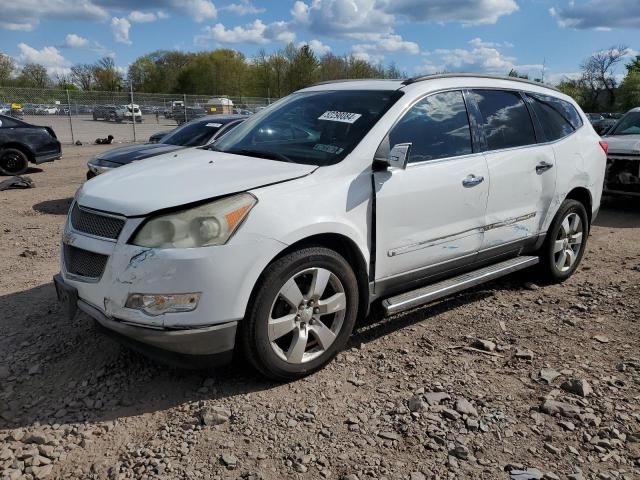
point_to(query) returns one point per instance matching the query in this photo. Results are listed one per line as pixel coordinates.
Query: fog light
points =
(157, 304)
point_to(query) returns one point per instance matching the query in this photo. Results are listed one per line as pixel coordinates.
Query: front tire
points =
(565, 243)
(13, 162)
(302, 314)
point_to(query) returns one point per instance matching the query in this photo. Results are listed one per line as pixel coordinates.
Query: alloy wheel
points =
(568, 243)
(307, 315)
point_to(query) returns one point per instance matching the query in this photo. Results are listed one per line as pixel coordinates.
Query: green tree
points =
(514, 73)
(84, 75)
(34, 75)
(107, 76)
(7, 68)
(634, 65)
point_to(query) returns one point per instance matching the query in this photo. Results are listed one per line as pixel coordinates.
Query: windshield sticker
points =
(214, 125)
(321, 147)
(344, 117)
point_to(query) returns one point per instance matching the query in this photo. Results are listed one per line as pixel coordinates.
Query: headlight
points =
(203, 226)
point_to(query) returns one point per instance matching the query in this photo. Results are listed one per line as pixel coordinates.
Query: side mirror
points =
(396, 157)
(399, 155)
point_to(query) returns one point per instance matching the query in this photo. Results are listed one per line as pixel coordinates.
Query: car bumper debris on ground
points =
(510, 380)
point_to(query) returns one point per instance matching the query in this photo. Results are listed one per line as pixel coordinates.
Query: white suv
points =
(276, 238)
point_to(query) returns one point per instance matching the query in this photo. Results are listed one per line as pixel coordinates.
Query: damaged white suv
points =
(276, 238)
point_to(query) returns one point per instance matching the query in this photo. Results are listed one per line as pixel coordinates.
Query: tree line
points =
(276, 74)
(599, 89)
(220, 71)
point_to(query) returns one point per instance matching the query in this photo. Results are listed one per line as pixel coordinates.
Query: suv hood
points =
(130, 153)
(181, 178)
(625, 144)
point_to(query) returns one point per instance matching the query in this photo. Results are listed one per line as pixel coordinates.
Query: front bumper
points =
(185, 348)
(223, 275)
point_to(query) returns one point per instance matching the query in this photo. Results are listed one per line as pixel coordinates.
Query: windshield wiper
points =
(262, 154)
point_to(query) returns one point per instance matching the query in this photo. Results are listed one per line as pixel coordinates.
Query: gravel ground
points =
(511, 380)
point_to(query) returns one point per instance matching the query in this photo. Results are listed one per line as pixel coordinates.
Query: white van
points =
(276, 238)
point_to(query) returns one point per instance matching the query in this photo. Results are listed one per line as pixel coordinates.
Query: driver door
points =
(430, 215)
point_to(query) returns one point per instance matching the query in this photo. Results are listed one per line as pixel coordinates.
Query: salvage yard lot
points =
(406, 400)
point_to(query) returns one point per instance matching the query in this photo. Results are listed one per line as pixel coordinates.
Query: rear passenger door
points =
(521, 169)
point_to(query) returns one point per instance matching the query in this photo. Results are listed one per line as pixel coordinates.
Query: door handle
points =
(472, 181)
(543, 167)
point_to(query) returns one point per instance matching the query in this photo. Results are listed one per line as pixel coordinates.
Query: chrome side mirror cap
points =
(396, 157)
(399, 155)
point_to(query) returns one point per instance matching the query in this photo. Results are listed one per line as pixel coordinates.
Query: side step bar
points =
(415, 298)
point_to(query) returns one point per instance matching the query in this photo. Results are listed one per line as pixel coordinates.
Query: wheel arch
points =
(22, 147)
(582, 195)
(341, 244)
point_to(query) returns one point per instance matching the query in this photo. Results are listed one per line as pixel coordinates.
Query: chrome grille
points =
(95, 224)
(84, 263)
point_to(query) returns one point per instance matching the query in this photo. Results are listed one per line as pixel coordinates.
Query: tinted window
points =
(555, 115)
(505, 119)
(436, 127)
(192, 134)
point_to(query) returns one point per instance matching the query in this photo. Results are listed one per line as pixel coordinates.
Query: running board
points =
(453, 285)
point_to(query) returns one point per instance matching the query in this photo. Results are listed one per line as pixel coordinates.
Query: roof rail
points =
(409, 81)
(342, 80)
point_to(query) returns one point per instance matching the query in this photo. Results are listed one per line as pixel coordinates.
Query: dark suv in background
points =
(108, 112)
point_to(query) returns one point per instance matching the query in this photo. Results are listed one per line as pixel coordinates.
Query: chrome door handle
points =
(472, 181)
(543, 167)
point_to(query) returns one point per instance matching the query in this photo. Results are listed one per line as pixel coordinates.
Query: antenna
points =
(544, 64)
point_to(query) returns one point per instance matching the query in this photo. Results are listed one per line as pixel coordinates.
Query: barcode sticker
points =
(344, 117)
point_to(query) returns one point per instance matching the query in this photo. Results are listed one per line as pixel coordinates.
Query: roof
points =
(356, 84)
(409, 81)
(396, 84)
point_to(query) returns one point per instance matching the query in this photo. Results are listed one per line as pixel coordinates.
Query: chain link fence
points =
(77, 115)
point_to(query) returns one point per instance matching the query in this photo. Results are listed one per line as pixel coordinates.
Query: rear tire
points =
(301, 315)
(565, 243)
(13, 161)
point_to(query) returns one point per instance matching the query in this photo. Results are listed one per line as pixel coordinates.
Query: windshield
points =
(315, 128)
(628, 125)
(192, 134)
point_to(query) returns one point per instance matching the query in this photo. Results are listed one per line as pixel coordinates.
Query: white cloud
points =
(120, 29)
(245, 7)
(300, 12)
(468, 12)
(344, 17)
(484, 57)
(256, 32)
(75, 41)
(598, 14)
(199, 10)
(49, 57)
(25, 15)
(317, 46)
(162, 14)
(137, 16)
(389, 44)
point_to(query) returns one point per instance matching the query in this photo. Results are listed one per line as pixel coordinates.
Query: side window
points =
(556, 116)
(437, 127)
(505, 119)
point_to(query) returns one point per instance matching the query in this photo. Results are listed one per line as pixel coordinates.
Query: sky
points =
(419, 36)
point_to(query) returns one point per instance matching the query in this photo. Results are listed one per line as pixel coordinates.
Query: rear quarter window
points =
(557, 117)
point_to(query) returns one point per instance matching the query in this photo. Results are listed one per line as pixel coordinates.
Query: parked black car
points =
(196, 133)
(108, 112)
(22, 143)
(156, 137)
(182, 114)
